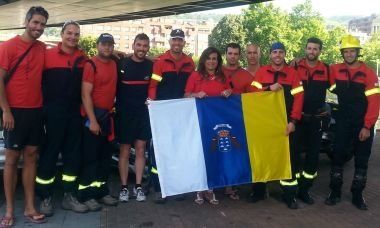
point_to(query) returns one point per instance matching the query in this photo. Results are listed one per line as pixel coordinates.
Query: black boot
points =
(304, 186)
(358, 201)
(358, 185)
(290, 201)
(336, 182)
(258, 192)
(333, 198)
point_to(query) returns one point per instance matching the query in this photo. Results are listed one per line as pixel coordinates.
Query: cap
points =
(177, 33)
(277, 45)
(105, 37)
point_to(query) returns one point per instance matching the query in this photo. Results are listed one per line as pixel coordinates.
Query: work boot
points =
(158, 198)
(258, 192)
(290, 202)
(46, 207)
(70, 202)
(357, 187)
(358, 201)
(108, 200)
(305, 197)
(333, 198)
(93, 205)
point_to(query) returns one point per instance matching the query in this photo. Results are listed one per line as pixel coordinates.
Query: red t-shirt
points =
(104, 82)
(212, 86)
(24, 88)
(240, 79)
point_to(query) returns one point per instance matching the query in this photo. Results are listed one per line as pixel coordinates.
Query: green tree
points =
(156, 51)
(88, 44)
(331, 52)
(229, 29)
(265, 24)
(371, 51)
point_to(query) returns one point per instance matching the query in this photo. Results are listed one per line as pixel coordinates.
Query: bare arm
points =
(89, 107)
(8, 120)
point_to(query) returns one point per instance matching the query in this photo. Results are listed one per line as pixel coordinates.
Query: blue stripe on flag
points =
(224, 141)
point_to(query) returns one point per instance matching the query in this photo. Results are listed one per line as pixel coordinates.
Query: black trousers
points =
(63, 135)
(153, 169)
(97, 155)
(347, 138)
(308, 139)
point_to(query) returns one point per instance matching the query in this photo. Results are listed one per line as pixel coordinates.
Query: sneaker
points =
(70, 202)
(158, 198)
(46, 207)
(124, 195)
(108, 200)
(139, 194)
(93, 205)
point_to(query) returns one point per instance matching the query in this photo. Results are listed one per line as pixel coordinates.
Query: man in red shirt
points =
(21, 103)
(168, 81)
(240, 78)
(253, 55)
(357, 88)
(276, 77)
(98, 95)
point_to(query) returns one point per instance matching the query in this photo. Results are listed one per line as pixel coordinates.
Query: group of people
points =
(59, 101)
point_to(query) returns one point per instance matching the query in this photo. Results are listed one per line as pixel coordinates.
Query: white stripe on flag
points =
(180, 161)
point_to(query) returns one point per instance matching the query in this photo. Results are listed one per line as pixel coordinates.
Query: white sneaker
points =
(124, 195)
(139, 194)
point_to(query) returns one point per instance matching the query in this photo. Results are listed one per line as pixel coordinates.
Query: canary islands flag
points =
(214, 142)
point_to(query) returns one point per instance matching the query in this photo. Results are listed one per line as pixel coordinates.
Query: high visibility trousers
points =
(308, 136)
(346, 139)
(153, 170)
(63, 135)
(290, 186)
(97, 155)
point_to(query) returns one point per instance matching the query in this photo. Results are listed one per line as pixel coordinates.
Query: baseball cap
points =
(177, 33)
(277, 45)
(105, 37)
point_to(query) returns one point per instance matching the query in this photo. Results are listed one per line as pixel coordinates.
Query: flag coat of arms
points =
(214, 142)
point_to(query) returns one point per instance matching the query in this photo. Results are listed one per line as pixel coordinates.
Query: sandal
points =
(7, 222)
(36, 218)
(210, 197)
(232, 194)
(199, 200)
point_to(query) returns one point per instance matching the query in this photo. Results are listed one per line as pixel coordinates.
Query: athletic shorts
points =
(133, 126)
(28, 129)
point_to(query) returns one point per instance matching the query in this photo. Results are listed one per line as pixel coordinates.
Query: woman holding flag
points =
(208, 80)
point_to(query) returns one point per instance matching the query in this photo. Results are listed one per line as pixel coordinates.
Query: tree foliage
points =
(229, 29)
(88, 44)
(264, 24)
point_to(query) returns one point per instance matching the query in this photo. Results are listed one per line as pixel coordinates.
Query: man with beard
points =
(21, 65)
(240, 78)
(275, 77)
(253, 55)
(357, 88)
(98, 95)
(315, 80)
(133, 117)
(169, 78)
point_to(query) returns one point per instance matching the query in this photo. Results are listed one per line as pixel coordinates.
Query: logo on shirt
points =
(223, 140)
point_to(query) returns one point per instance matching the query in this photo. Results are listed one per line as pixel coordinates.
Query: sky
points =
(327, 8)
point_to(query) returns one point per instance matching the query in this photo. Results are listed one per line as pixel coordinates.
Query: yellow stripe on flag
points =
(265, 122)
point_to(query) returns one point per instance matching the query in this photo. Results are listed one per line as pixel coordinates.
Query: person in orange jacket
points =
(357, 88)
(275, 77)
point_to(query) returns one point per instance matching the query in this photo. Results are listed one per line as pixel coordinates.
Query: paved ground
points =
(269, 213)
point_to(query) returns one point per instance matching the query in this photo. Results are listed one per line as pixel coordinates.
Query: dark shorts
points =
(28, 130)
(133, 126)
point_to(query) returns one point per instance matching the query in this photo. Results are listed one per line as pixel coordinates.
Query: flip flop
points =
(36, 218)
(7, 222)
(232, 195)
